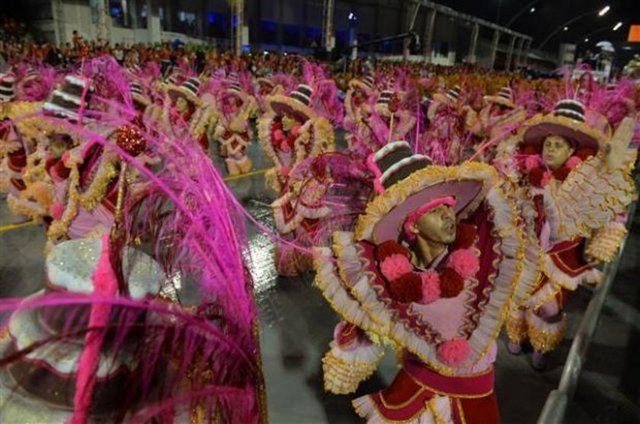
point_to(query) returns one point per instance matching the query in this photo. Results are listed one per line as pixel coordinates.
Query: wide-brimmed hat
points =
(450, 97)
(266, 82)
(567, 121)
(189, 90)
(70, 99)
(7, 90)
(406, 181)
(298, 102)
(504, 98)
(138, 95)
(366, 84)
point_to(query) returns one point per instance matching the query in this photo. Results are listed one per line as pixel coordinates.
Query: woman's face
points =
(181, 104)
(288, 122)
(555, 151)
(438, 225)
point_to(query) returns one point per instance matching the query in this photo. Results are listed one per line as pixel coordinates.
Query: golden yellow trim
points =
(457, 395)
(11, 227)
(460, 410)
(403, 404)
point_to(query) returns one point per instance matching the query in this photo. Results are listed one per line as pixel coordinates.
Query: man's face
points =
(555, 151)
(438, 225)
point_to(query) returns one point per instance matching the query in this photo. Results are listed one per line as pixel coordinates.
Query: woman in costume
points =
(573, 185)
(292, 132)
(432, 266)
(233, 131)
(450, 118)
(496, 120)
(291, 135)
(362, 137)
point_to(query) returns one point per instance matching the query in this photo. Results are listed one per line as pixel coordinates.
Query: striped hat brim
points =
(499, 100)
(175, 91)
(282, 104)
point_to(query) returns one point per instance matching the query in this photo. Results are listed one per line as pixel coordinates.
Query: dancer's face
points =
(181, 104)
(555, 151)
(438, 225)
(288, 122)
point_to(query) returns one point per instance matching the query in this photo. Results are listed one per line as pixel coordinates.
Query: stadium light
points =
(586, 40)
(565, 28)
(533, 9)
(617, 27)
(604, 10)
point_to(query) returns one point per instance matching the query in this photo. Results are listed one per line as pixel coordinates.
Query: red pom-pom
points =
(561, 173)
(464, 262)
(395, 266)
(465, 236)
(388, 248)
(451, 283)
(407, 288)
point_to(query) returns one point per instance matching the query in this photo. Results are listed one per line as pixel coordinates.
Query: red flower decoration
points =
(465, 236)
(388, 248)
(407, 288)
(451, 283)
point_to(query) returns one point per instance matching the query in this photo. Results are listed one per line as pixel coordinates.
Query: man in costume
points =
(573, 185)
(432, 266)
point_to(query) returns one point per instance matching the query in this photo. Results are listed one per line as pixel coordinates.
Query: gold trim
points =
(455, 395)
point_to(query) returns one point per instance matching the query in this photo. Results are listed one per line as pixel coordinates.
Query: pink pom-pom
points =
(295, 131)
(546, 177)
(464, 262)
(453, 352)
(278, 135)
(430, 286)
(532, 162)
(65, 156)
(573, 162)
(395, 266)
(56, 210)
(285, 170)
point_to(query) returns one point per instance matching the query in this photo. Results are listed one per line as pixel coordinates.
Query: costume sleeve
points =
(590, 197)
(351, 359)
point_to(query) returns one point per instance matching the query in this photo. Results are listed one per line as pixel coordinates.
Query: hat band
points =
(416, 214)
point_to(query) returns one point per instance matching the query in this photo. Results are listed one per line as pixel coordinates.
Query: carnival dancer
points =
(574, 185)
(233, 131)
(291, 135)
(292, 132)
(358, 112)
(432, 265)
(450, 118)
(103, 343)
(496, 121)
